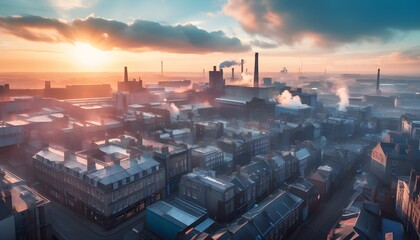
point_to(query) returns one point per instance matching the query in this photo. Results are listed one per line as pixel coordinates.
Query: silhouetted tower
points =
(256, 80)
(161, 67)
(242, 66)
(125, 74)
(233, 74)
(378, 80)
(47, 85)
(216, 81)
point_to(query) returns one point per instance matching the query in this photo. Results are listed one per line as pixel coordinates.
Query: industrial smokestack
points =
(242, 66)
(256, 80)
(233, 74)
(161, 67)
(377, 81)
(125, 74)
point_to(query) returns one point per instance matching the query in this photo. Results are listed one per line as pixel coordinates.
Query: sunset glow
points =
(88, 56)
(142, 33)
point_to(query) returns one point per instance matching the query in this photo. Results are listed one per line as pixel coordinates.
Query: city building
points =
(107, 184)
(308, 192)
(244, 144)
(208, 130)
(301, 111)
(207, 157)
(407, 207)
(176, 158)
(77, 91)
(143, 121)
(333, 171)
(363, 220)
(23, 211)
(261, 173)
(274, 218)
(410, 124)
(171, 220)
(241, 101)
(278, 166)
(11, 134)
(389, 160)
(214, 194)
(322, 183)
(244, 191)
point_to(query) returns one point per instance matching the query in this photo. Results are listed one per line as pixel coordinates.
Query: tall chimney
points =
(377, 81)
(242, 66)
(125, 74)
(233, 74)
(161, 67)
(214, 68)
(256, 81)
(47, 85)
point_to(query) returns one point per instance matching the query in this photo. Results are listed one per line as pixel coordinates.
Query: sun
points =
(87, 56)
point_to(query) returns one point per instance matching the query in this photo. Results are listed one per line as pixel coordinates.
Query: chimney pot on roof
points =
(91, 166)
(67, 155)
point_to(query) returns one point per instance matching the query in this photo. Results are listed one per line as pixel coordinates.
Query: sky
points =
(341, 36)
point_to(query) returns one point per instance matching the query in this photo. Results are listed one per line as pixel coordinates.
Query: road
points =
(70, 225)
(323, 219)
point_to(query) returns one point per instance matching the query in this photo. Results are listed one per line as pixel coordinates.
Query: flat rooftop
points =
(23, 197)
(179, 212)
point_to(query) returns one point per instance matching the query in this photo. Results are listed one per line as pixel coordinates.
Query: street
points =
(318, 225)
(72, 226)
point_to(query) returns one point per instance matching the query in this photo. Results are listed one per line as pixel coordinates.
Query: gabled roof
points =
(318, 176)
(302, 154)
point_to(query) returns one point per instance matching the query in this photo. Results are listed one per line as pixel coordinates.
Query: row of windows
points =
(154, 182)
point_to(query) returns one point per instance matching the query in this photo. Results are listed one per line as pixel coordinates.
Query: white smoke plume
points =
(246, 80)
(343, 94)
(228, 63)
(174, 110)
(286, 98)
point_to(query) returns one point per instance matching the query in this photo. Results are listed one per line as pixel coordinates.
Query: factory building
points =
(130, 86)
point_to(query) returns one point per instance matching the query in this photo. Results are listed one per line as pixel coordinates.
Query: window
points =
(394, 162)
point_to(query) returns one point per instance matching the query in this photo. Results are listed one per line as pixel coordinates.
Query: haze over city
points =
(209, 120)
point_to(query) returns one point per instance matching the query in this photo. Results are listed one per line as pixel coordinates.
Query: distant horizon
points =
(102, 36)
(383, 73)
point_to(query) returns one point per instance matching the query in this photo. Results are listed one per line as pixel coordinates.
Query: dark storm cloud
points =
(326, 21)
(107, 34)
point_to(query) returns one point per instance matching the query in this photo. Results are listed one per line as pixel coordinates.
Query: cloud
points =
(263, 44)
(327, 22)
(107, 34)
(412, 53)
(72, 4)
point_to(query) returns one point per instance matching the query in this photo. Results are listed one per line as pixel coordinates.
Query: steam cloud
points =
(343, 94)
(286, 98)
(228, 63)
(174, 110)
(246, 80)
